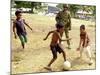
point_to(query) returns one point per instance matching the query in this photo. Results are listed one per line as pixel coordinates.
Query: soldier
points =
(65, 18)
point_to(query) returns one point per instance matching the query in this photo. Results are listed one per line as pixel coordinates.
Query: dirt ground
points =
(37, 54)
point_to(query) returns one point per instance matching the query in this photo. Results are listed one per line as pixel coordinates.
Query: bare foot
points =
(48, 68)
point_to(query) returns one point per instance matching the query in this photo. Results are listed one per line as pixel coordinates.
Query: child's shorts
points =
(23, 38)
(56, 49)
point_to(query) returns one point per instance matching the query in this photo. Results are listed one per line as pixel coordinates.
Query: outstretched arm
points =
(69, 18)
(27, 25)
(62, 39)
(66, 39)
(79, 44)
(48, 35)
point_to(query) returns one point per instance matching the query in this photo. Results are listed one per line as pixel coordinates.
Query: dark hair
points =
(17, 12)
(82, 27)
(59, 25)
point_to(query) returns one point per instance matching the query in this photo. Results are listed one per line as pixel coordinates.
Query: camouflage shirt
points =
(64, 18)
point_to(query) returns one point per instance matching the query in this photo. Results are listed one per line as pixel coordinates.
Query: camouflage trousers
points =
(67, 35)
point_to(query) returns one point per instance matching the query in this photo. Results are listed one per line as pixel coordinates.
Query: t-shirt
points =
(20, 27)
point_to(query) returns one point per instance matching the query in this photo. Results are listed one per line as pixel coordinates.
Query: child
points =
(84, 44)
(55, 45)
(20, 28)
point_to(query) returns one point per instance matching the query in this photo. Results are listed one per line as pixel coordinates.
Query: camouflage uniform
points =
(65, 19)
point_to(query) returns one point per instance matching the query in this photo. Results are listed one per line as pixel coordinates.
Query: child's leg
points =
(54, 57)
(88, 52)
(48, 66)
(25, 38)
(52, 61)
(67, 36)
(64, 55)
(81, 51)
(62, 50)
(22, 41)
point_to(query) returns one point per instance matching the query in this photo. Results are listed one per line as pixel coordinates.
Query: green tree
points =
(72, 8)
(94, 10)
(59, 6)
(88, 9)
(25, 4)
(35, 5)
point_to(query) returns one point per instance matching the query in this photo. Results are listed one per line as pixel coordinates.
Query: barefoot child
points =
(55, 45)
(84, 44)
(19, 25)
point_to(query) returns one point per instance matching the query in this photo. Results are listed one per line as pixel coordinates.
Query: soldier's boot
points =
(68, 42)
(67, 36)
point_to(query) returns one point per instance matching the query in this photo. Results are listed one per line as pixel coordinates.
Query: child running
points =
(55, 44)
(19, 25)
(84, 44)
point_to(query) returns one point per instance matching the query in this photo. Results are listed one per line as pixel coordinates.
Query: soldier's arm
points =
(57, 17)
(69, 18)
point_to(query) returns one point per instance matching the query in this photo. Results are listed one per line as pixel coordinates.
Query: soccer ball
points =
(66, 65)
